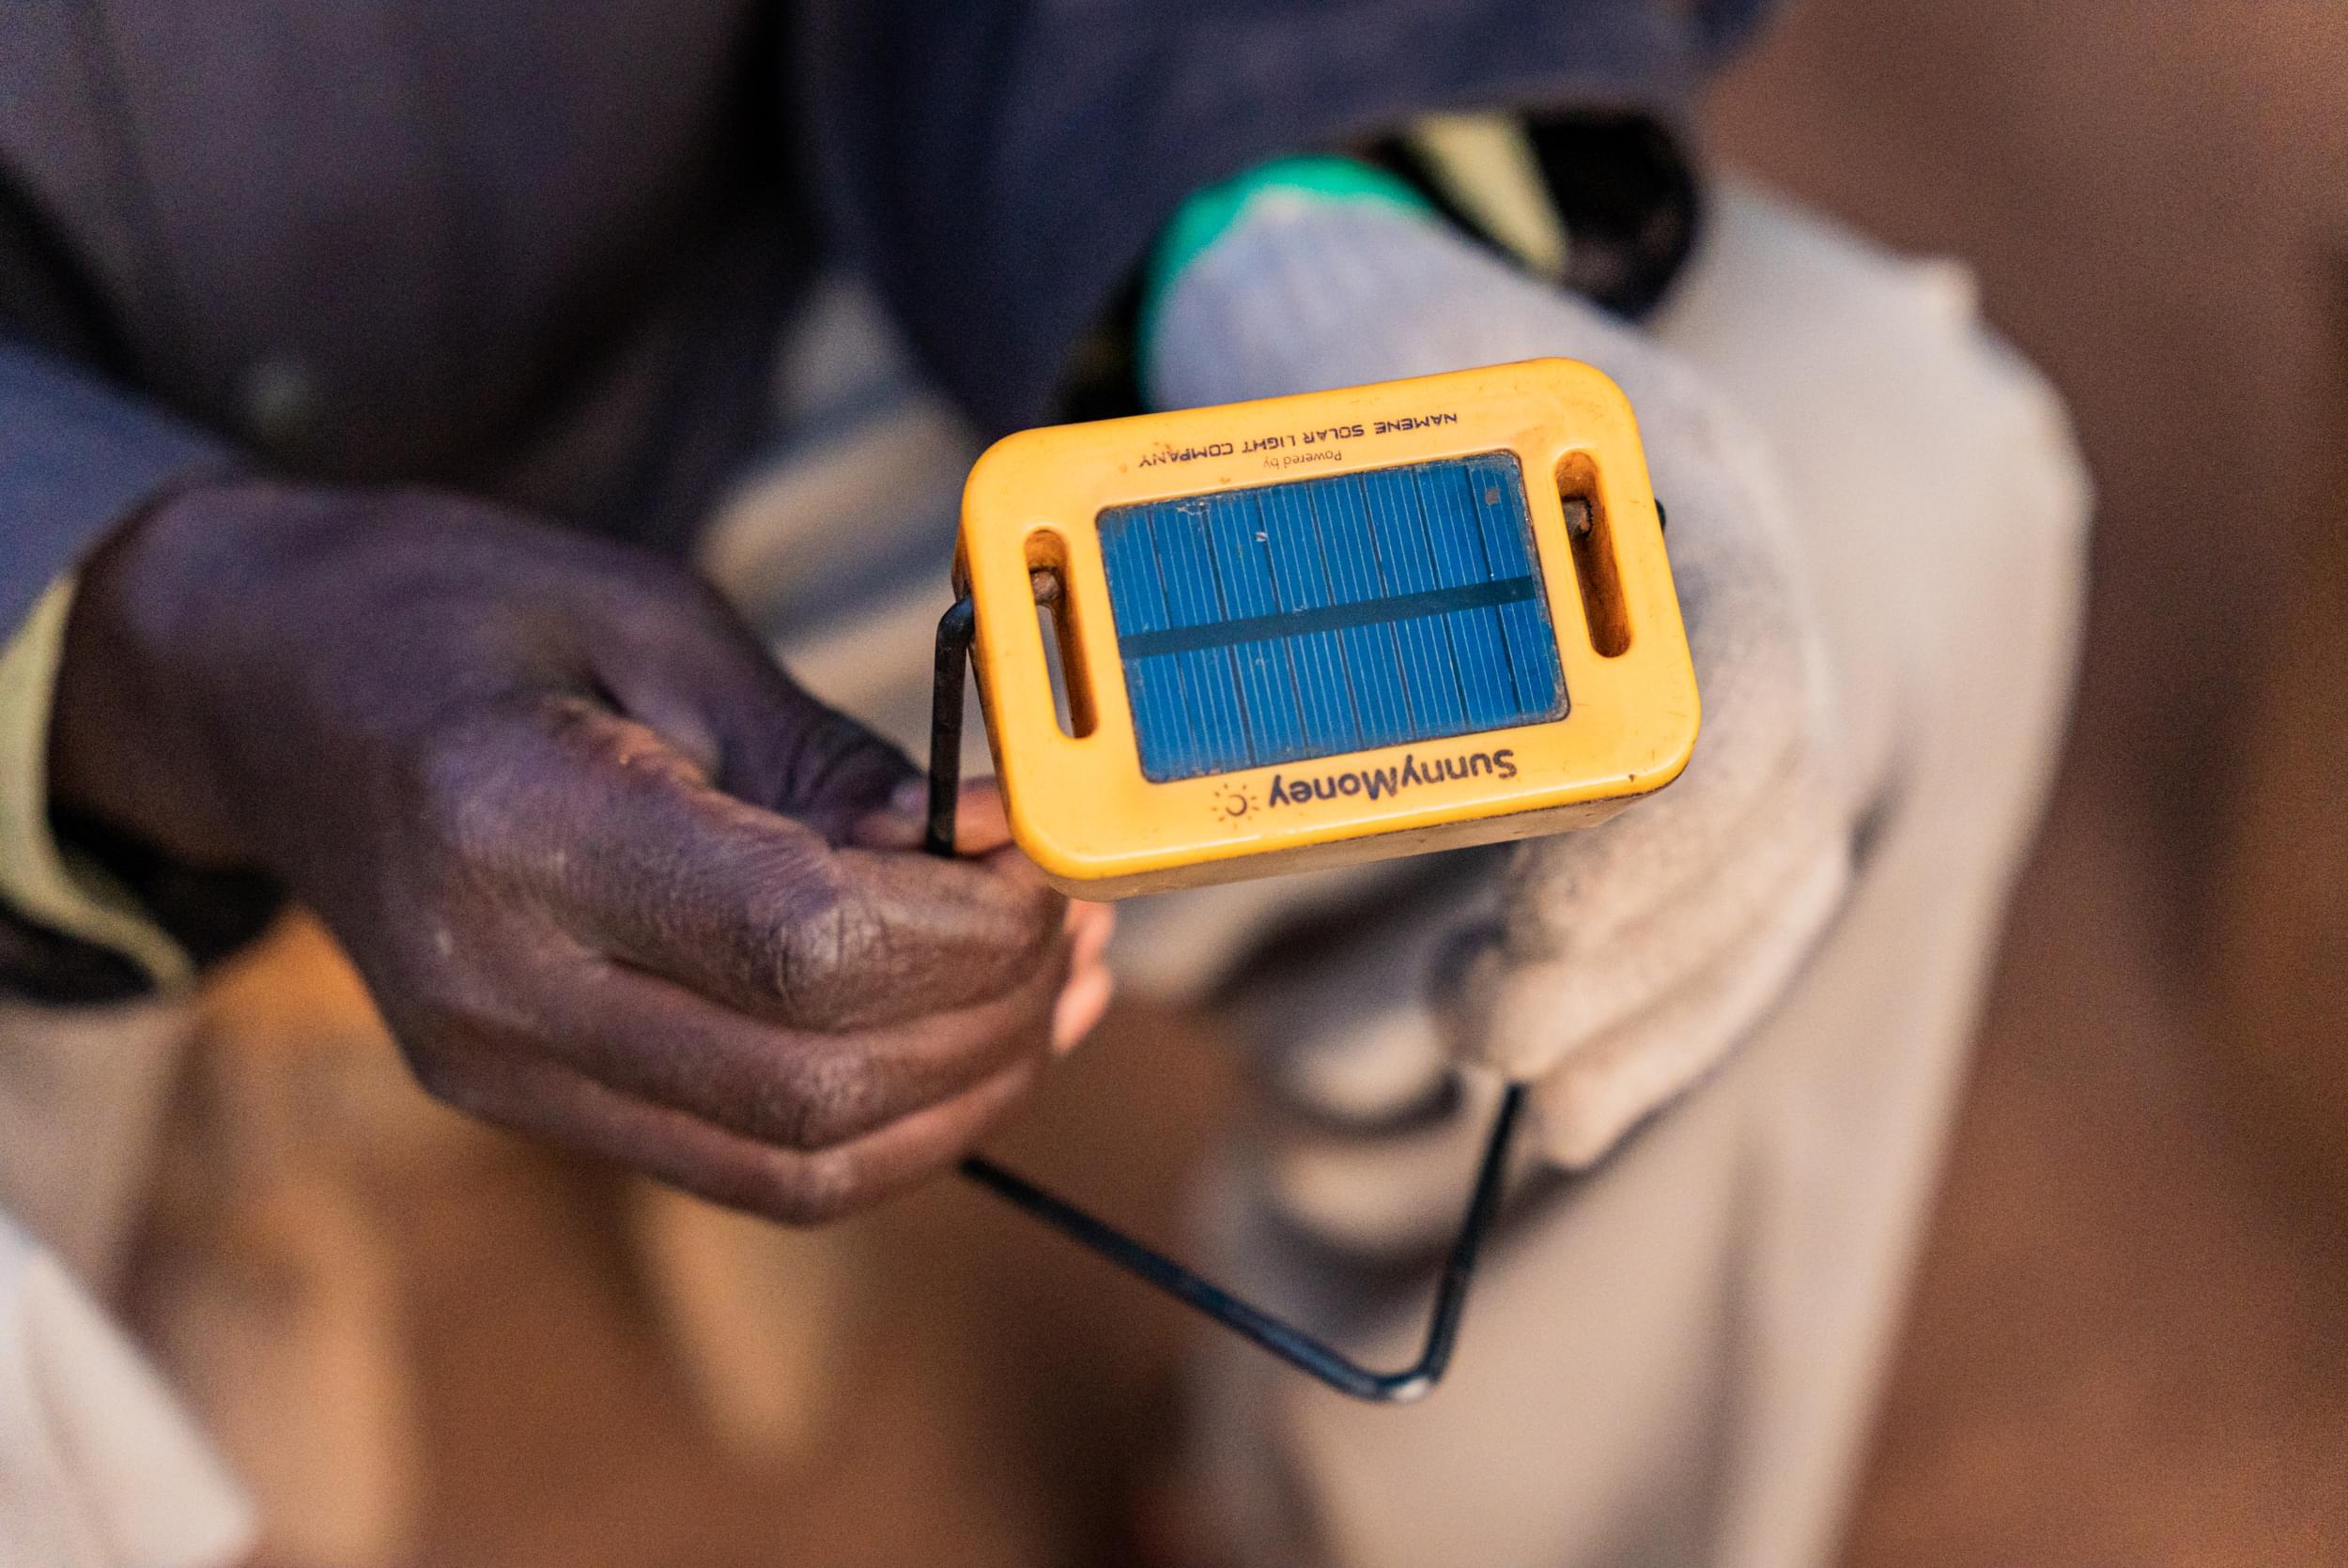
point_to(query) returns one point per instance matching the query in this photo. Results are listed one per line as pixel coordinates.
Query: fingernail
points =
(910, 798)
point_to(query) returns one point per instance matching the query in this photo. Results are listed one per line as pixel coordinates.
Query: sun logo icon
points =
(1232, 804)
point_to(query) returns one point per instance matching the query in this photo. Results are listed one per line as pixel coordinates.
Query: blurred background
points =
(2128, 1341)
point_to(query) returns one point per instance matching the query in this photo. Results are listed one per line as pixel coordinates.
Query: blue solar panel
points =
(1328, 615)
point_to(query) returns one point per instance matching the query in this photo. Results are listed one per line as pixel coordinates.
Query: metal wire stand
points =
(1301, 1350)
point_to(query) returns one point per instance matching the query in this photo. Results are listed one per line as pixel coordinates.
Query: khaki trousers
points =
(1673, 1361)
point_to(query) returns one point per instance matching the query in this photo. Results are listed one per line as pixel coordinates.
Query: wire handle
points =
(1301, 1350)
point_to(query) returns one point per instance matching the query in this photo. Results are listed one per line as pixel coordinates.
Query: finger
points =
(945, 932)
(549, 1101)
(1086, 995)
(652, 1038)
(638, 859)
(1081, 1005)
(826, 770)
(981, 822)
(1090, 928)
(702, 678)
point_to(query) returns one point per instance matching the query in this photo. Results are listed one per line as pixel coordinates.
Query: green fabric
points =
(1212, 214)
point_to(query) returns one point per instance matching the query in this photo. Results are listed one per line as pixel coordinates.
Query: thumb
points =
(758, 734)
(787, 752)
(803, 759)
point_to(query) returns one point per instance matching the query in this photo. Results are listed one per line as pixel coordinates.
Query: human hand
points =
(1629, 957)
(612, 877)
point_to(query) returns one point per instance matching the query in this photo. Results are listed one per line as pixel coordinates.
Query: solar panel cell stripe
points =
(1267, 686)
(1209, 676)
(1373, 655)
(1300, 583)
(1154, 685)
(1405, 565)
(1497, 487)
(1455, 541)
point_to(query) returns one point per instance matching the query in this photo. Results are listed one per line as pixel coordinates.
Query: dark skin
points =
(613, 878)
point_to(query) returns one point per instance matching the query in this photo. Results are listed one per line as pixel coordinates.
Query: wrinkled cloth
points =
(1623, 961)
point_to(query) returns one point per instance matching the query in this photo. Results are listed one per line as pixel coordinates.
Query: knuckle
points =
(1031, 943)
(1017, 905)
(816, 1191)
(827, 951)
(825, 1098)
(1013, 933)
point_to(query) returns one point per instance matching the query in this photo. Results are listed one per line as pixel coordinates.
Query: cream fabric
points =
(99, 1469)
(84, 1094)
